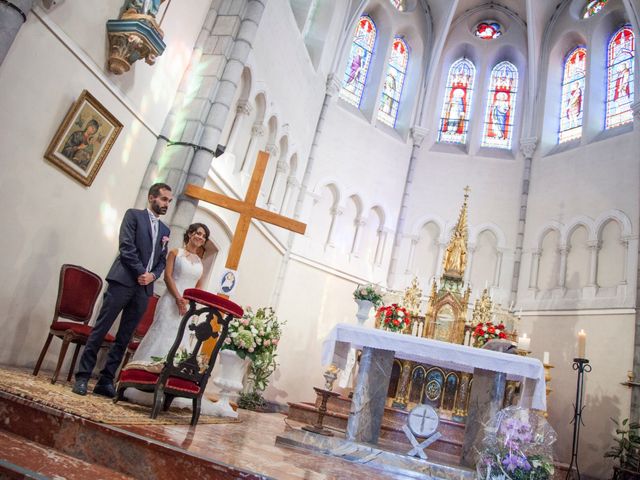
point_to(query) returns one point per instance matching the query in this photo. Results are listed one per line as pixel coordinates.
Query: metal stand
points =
(322, 409)
(582, 366)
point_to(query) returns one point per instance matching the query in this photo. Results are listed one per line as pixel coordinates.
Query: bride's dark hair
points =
(194, 228)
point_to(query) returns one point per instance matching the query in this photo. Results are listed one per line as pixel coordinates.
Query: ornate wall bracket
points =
(135, 36)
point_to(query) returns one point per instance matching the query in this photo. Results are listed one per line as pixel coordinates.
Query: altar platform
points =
(40, 438)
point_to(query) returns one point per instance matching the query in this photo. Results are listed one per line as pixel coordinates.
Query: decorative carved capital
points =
(126, 48)
(282, 166)
(257, 130)
(333, 85)
(594, 244)
(336, 211)
(359, 222)
(417, 134)
(244, 108)
(528, 146)
(272, 150)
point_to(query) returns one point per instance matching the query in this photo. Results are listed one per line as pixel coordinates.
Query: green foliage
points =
(626, 448)
(251, 401)
(368, 292)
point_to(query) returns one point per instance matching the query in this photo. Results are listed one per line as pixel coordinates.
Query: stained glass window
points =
(501, 105)
(393, 82)
(593, 7)
(355, 74)
(399, 4)
(572, 95)
(488, 30)
(456, 107)
(621, 50)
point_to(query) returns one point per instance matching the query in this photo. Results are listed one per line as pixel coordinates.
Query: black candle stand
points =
(582, 366)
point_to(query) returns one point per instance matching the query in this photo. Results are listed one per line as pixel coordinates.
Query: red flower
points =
(502, 335)
(491, 330)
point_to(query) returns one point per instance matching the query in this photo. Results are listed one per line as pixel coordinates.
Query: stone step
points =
(391, 431)
(22, 458)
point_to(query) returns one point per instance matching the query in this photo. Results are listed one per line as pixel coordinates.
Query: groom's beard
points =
(158, 210)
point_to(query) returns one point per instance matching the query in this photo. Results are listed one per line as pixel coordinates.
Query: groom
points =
(143, 254)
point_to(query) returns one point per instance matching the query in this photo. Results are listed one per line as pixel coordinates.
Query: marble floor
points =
(250, 445)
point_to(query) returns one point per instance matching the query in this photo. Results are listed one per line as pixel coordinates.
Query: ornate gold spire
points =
(455, 258)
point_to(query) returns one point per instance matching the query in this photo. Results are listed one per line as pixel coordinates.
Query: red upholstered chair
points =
(186, 379)
(142, 328)
(78, 290)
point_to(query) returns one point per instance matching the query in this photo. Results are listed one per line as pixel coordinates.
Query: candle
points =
(524, 342)
(545, 358)
(582, 343)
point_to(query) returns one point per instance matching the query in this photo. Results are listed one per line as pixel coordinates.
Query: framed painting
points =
(84, 139)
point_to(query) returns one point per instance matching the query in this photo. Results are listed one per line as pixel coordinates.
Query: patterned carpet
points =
(92, 407)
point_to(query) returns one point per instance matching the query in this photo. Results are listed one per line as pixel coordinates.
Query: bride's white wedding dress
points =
(187, 270)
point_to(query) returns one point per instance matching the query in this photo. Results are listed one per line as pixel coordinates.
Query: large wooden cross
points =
(247, 210)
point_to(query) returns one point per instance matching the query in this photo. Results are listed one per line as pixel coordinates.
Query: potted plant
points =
(393, 318)
(483, 332)
(626, 450)
(366, 296)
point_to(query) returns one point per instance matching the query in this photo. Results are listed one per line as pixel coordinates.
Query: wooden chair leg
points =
(167, 402)
(73, 362)
(42, 354)
(158, 397)
(61, 355)
(125, 360)
(196, 411)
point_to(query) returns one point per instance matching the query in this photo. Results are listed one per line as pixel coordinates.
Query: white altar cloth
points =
(530, 371)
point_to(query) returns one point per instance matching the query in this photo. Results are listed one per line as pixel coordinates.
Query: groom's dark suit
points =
(124, 294)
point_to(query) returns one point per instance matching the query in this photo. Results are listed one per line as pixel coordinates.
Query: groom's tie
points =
(154, 236)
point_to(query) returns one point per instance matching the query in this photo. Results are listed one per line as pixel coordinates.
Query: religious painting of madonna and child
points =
(84, 139)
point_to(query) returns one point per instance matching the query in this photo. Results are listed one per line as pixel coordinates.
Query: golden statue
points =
(455, 258)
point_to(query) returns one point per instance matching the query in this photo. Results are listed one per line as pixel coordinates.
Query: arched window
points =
(488, 30)
(393, 82)
(355, 74)
(501, 106)
(620, 77)
(456, 106)
(572, 95)
(593, 7)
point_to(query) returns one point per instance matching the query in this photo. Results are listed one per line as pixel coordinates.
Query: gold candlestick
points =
(547, 381)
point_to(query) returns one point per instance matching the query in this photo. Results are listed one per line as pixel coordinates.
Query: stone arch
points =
(578, 257)
(323, 213)
(548, 273)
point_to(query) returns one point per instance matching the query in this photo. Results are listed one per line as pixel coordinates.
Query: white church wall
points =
(81, 26)
(610, 352)
(52, 218)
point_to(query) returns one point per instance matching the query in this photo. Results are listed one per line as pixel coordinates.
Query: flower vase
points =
(364, 307)
(231, 372)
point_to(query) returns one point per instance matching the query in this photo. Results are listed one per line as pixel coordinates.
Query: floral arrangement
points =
(393, 317)
(483, 332)
(517, 446)
(368, 292)
(256, 336)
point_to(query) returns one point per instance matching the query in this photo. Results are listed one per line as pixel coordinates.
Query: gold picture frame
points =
(84, 139)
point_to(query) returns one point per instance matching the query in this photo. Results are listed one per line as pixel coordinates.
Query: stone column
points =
(221, 98)
(13, 13)
(242, 110)
(498, 270)
(357, 238)
(417, 135)
(292, 184)
(527, 148)
(335, 212)
(276, 186)
(535, 266)
(594, 248)
(634, 415)
(381, 244)
(486, 400)
(562, 273)
(257, 131)
(369, 395)
(412, 251)
(625, 268)
(471, 249)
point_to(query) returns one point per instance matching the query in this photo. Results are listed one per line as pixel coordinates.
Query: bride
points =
(183, 270)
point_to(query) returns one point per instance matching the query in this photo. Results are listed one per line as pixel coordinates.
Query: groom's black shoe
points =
(104, 389)
(80, 387)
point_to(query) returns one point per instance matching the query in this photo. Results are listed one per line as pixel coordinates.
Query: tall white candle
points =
(524, 342)
(545, 357)
(582, 343)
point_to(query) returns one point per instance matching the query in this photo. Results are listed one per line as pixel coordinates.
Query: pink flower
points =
(165, 241)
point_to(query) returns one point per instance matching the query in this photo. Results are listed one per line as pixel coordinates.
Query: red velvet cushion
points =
(134, 345)
(78, 329)
(80, 290)
(212, 300)
(134, 375)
